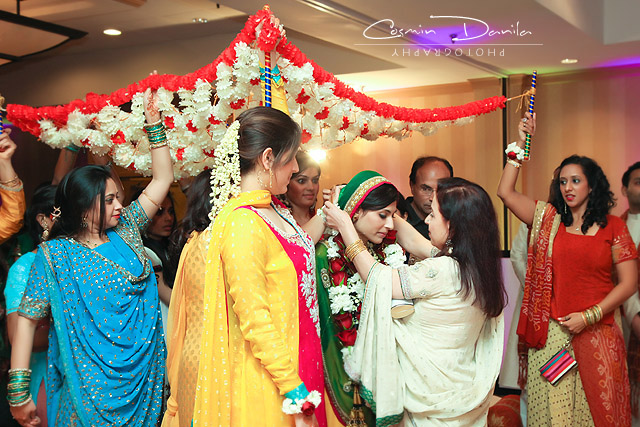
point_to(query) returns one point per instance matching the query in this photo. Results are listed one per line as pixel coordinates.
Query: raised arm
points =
(411, 240)
(161, 167)
(363, 261)
(522, 206)
(11, 192)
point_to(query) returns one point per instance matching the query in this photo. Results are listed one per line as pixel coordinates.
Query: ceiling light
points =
(200, 20)
(569, 61)
(112, 32)
(318, 155)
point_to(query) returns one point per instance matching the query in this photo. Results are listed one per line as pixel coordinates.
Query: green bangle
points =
(72, 147)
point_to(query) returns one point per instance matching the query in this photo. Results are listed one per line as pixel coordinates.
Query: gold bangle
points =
(598, 311)
(151, 200)
(588, 315)
(354, 249)
(11, 181)
(584, 319)
(156, 123)
(513, 163)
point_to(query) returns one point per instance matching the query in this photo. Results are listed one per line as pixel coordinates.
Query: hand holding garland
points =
(522, 206)
(161, 166)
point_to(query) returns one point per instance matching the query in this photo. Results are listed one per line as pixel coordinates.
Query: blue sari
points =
(106, 346)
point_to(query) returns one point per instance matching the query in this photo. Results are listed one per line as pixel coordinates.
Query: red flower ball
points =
(344, 320)
(512, 155)
(336, 265)
(339, 277)
(348, 337)
(308, 409)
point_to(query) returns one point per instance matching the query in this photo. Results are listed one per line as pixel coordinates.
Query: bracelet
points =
(514, 152)
(592, 315)
(321, 214)
(18, 387)
(11, 181)
(158, 145)
(72, 147)
(151, 200)
(306, 406)
(159, 121)
(354, 249)
(515, 164)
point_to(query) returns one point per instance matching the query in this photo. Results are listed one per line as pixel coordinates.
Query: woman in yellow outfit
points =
(260, 354)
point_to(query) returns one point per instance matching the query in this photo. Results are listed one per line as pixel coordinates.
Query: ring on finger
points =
(524, 120)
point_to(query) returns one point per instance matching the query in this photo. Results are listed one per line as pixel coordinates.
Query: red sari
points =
(569, 273)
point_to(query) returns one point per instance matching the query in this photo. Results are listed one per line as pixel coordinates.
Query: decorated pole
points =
(532, 99)
(267, 79)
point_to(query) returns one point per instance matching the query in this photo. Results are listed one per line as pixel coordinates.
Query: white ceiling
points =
(596, 32)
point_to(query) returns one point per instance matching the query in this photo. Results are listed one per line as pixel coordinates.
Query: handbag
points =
(559, 365)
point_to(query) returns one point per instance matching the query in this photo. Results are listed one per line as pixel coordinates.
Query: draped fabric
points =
(106, 349)
(250, 347)
(435, 367)
(339, 385)
(568, 273)
(184, 331)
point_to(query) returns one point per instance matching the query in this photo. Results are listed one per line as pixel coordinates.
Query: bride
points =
(370, 200)
(439, 365)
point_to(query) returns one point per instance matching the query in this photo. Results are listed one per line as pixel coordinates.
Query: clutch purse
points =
(559, 365)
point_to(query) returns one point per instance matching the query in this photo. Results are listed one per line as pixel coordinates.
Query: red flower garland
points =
(26, 117)
(340, 270)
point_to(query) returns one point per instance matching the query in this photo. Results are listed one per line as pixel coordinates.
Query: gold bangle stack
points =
(515, 164)
(18, 387)
(354, 249)
(156, 134)
(592, 315)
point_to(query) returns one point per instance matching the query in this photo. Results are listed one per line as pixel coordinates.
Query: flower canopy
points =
(329, 112)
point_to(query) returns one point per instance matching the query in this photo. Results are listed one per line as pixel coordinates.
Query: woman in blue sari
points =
(106, 349)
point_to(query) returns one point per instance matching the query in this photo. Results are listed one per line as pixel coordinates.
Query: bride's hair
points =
(380, 197)
(475, 241)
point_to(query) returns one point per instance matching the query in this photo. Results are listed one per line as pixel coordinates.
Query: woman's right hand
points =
(527, 125)
(302, 420)
(7, 146)
(26, 414)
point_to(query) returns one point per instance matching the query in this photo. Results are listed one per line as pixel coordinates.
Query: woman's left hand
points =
(150, 101)
(337, 218)
(573, 322)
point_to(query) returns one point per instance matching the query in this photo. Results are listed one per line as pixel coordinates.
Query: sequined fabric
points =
(106, 353)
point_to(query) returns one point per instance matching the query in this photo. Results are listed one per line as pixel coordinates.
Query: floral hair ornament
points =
(55, 214)
(225, 177)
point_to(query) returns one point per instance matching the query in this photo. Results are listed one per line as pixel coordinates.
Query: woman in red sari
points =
(570, 295)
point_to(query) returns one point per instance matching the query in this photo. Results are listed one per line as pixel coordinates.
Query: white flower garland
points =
(225, 177)
(291, 407)
(197, 125)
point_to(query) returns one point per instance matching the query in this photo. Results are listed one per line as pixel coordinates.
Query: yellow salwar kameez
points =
(184, 331)
(249, 347)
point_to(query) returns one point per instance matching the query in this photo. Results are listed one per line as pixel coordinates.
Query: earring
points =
(449, 245)
(45, 231)
(260, 181)
(84, 223)
(270, 179)
(565, 208)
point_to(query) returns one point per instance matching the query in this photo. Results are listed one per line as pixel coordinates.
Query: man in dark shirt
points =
(425, 173)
